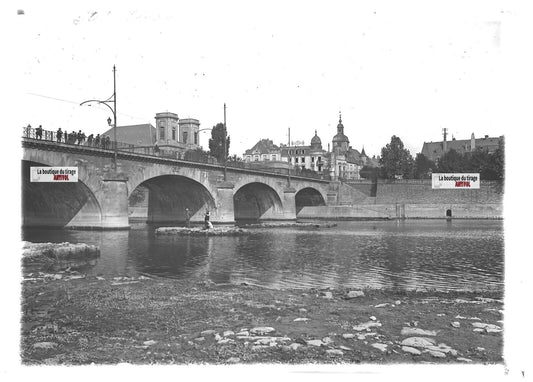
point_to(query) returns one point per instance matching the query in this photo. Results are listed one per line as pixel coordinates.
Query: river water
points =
(410, 254)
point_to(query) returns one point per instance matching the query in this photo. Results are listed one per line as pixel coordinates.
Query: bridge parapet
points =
(171, 186)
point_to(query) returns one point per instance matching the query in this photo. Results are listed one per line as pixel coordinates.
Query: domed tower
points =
(316, 143)
(341, 143)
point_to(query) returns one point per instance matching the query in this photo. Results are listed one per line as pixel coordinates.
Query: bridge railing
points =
(104, 142)
(75, 139)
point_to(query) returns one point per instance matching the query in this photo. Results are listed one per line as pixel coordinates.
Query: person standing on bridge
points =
(97, 140)
(59, 135)
(80, 137)
(90, 140)
(39, 132)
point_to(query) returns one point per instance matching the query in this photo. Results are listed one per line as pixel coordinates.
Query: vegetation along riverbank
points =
(68, 318)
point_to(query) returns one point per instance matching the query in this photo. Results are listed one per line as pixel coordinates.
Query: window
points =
(295, 160)
(274, 157)
(161, 132)
(185, 137)
(303, 160)
(173, 133)
(312, 159)
(256, 158)
(195, 137)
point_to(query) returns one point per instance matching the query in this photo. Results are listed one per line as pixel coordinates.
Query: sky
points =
(404, 68)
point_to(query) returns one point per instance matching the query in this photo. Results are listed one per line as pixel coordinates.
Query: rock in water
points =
(50, 252)
(197, 231)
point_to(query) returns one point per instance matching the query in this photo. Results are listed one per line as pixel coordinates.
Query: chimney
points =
(444, 145)
(472, 142)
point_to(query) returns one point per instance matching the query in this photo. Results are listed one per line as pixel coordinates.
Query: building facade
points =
(342, 162)
(263, 151)
(307, 157)
(435, 150)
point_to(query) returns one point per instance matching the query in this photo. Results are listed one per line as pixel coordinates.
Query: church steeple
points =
(340, 126)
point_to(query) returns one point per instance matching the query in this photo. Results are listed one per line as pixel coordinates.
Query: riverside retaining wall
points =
(404, 211)
(410, 199)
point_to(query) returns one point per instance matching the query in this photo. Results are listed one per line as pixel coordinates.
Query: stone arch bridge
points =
(103, 196)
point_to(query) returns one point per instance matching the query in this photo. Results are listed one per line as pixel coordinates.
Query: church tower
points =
(341, 143)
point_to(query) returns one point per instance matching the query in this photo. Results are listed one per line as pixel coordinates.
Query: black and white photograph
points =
(281, 189)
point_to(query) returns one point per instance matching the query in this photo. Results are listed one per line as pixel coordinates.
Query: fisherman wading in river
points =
(208, 224)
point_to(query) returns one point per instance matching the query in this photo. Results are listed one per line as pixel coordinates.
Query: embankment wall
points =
(410, 199)
(404, 211)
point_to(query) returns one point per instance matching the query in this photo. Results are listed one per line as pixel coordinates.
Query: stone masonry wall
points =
(420, 192)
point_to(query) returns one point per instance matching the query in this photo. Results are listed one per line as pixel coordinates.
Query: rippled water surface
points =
(412, 254)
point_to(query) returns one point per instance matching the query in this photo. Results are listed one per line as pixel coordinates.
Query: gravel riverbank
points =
(83, 320)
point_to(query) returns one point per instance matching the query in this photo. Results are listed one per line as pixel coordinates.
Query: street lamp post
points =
(225, 144)
(289, 156)
(113, 100)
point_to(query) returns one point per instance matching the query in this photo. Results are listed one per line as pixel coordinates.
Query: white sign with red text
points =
(53, 174)
(455, 181)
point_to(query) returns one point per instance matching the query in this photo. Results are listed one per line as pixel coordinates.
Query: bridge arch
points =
(60, 204)
(257, 201)
(165, 198)
(308, 196)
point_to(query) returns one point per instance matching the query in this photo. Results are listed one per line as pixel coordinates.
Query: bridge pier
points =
(113, 200)
(289, 203)
(225, 212)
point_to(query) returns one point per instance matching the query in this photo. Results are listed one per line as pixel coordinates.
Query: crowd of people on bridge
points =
(73, 138)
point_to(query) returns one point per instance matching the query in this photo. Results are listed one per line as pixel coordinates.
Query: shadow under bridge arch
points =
(57, 204)
(164, 199)
(257, 201)
(308, 197)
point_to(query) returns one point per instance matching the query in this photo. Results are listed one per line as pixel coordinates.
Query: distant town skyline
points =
(390, 71)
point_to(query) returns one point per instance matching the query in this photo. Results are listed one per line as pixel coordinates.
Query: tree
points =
(423, 166)
(216, 142)
(196, 155)
(396, 160)
(499, 159)
(452, 161)
(369, 172)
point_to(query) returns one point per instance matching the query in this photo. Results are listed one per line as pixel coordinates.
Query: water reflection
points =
(405, 255)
